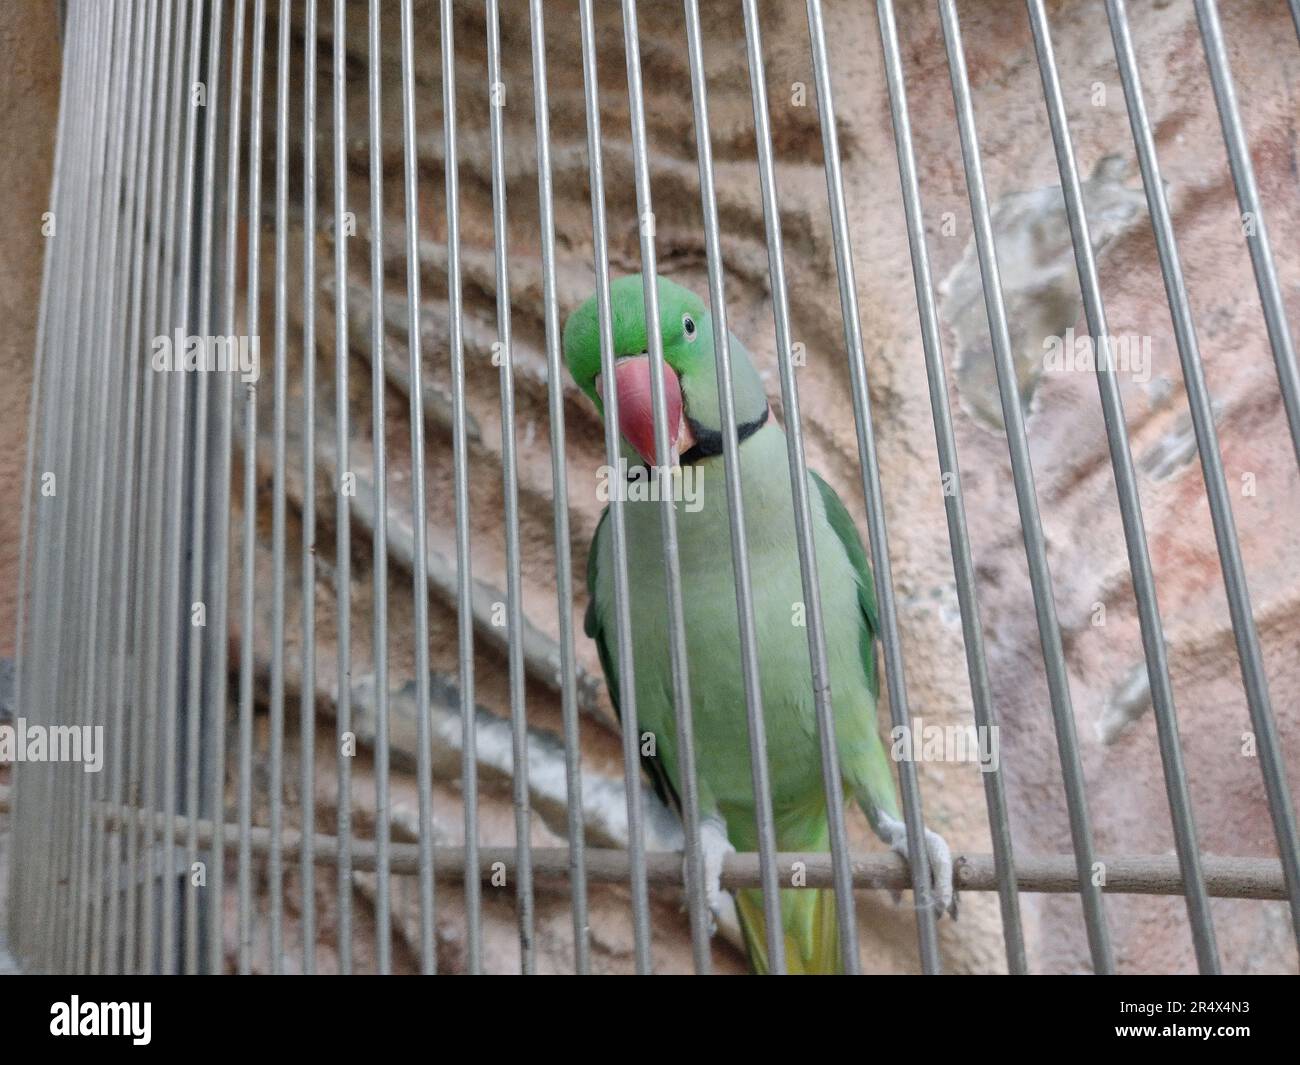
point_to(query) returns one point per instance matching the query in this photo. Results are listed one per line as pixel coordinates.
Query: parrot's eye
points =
(688, 327)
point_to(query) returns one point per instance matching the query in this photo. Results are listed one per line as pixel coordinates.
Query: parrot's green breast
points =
(713, 642)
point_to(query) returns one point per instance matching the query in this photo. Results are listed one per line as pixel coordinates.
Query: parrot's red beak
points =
(636, 409)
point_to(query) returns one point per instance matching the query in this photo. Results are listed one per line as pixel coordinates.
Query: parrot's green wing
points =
(594, 626)
(841, 523)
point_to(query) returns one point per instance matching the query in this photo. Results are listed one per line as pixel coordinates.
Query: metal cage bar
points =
(342, 512)
(460, 465)
(428, 955)
(623, 621)
(1027, 501)
(249, 540)
(985, 712)
(307, 700)
(688, 792)
(844, 911)
(560, 492)
(510, 489)
(869, 466)
(1244, 631)
(379, 445)
(758, 756)
(1252, 214)
(219, 579)
(1130, 506)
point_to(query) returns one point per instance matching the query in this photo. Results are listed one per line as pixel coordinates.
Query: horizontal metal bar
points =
(1134, 874)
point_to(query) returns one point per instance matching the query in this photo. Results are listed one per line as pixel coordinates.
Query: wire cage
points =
(247, 583)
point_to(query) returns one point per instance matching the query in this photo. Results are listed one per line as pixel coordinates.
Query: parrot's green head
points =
(690, 370)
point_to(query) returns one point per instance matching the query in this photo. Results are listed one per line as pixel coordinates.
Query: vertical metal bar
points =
(1130, 505)
(869, 467)
(75, 700)
(307, 702)
(33, 779)
(79, 449)
(622, 617)
(200, 590)
(160, 321)
(834, 789)
(22, 782)
(383, 920)
(280, 400)
(104, 929)
(1245, 635)
(1026, 500)
(130, 645)
(60, 700)
(69, 580)
(105, 449)
(560, 498)
(66, 575)
(759, 771)
(123, 789)
(145, 695)
(29, 782)
(986, 717)
(688, 785)
(37, 786)
(419, 516)
(123, 490)
(147, 565)
(342, 508)
(219, 559)
(1252, 215)
(103, 542)
(57, 876)
(460, 474)
(176, 615)
(177, 282)
(247, 649)
(510, 490)
(79, 661)
(37, 792)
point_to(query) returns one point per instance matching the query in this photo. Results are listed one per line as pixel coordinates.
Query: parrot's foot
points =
(941, 896)
(714, 848)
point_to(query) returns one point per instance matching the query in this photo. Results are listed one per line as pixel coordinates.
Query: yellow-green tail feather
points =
(812, 938)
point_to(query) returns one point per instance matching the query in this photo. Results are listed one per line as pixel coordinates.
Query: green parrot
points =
(726, 798)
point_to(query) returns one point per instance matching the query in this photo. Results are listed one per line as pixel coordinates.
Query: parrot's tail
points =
(812, 938)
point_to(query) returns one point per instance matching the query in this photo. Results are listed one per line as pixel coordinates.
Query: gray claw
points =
(714, 848)
(942, 896)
